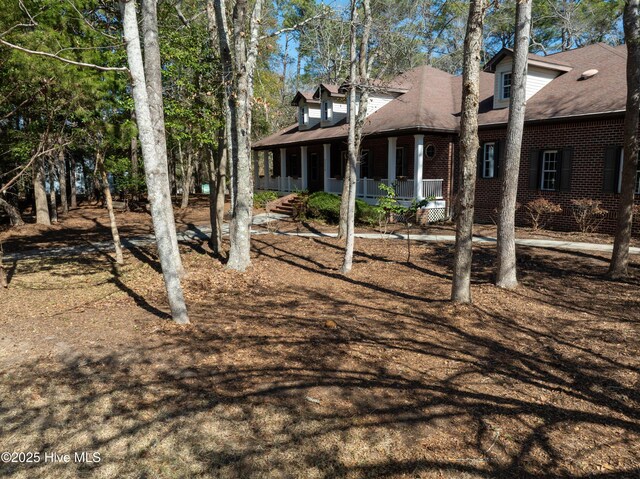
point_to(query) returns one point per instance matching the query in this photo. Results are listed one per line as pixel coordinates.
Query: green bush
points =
(261, 199)
(326, 207)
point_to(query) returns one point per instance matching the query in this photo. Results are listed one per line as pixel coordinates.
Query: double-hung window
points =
(304, 115)
(489, 160)
(326, 110)
(549, 170)
(506, 85)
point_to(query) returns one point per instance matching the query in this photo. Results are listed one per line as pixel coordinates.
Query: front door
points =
(316, 178)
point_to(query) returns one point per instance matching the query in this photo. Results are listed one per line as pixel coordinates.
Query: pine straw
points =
(542, 381)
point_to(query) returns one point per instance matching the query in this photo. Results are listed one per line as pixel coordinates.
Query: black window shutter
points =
(534, 169)
(565, 169)
(610, 173)
(480, 158)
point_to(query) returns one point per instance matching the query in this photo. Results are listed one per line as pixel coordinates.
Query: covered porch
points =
(321, 168)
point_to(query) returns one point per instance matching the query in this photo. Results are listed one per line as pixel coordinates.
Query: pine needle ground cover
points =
(293, 370)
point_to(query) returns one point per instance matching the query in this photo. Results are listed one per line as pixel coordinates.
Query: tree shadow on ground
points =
(260, 387)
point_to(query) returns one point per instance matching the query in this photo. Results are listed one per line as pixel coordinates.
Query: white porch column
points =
(256, 170)
(326, 169)
(417, 166)
(391, 159)
(303, 166)
(283, 168)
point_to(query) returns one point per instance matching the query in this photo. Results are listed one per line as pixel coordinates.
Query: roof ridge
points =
(611, 49)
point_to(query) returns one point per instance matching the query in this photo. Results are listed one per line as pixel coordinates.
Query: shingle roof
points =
(432, 102)
(566, 95)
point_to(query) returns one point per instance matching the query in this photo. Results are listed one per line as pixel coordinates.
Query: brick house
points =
(572, 142)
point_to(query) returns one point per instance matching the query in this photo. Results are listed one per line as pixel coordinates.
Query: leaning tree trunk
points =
(72, 180)
(469, 144)
(506, 274)
(12, 211)
(153, 79)
(52, 192)
(155, 170)
(109, 203)
(62, 179)
(40, 193)
(620, 257)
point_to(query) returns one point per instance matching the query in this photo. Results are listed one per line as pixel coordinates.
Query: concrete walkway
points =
(202, 234)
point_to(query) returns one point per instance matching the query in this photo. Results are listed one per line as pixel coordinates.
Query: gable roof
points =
(533, 59)
(432, 101)
(307, 96)
(568, 96)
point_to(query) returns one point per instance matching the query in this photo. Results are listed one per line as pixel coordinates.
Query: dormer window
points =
(506, 85)
(327, 112)
(303, 113)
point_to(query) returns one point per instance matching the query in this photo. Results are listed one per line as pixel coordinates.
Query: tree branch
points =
(297, 26)
(64, 60)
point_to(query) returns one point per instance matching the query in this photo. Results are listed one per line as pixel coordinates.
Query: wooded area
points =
(133, 122)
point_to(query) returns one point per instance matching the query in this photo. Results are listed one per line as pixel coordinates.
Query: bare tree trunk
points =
(238, 68)
(187, 175)
(153, 79)
(109, 202)
(135, 167)
(52, 192)
(620, 257)
(40, 193)
(461, 287)
(62, 179)
(155, 169)
(72, 180)
(344, 203)
(3, 277)
(359, 73)
(12, 211)
(217, 179)
(506, 274)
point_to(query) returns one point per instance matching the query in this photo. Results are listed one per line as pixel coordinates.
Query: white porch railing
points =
(365, 187)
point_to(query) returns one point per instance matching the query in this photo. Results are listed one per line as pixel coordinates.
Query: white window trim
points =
(493, 160)
(543, 171)
(503, 85)
(620, 163)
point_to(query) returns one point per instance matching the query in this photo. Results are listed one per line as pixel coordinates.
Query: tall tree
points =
(155, 170)
(469, 144)
(359, 66)
(620, 257)
(238, 50)
(506, 275)
(153, 78)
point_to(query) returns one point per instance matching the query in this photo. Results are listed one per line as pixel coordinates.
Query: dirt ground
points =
(293, 370)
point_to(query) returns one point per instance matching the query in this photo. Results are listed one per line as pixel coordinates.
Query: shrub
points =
(323, 206)
(326, 207)
(588, 214)
(539, 211)
(261, 199)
